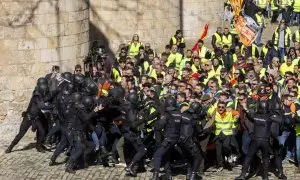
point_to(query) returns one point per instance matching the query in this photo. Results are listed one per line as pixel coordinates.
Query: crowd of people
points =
(182, 108)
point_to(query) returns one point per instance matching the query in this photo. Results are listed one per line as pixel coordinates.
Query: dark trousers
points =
(63, 143)
(78, 146)
(194, 154)
(137, 144)
(275, 16)
(203, 144)
(222, 147)
(254, 147)
(25, 125)
(160, 153)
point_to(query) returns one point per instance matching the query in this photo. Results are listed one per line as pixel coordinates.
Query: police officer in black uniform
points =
(172, 120)
(262, 131)
(65, 101)
(34, 116)
(130, 123)
(189, 130)
(81, 115)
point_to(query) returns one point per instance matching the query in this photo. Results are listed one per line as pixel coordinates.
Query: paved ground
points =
(25, 163)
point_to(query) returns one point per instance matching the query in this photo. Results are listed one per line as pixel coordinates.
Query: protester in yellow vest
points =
(296, 36)
(216, 40)
(260, 20)
(287, 66)
(174, 58)
(225, 125)
(275, 9)
(253, 50)
(134, 45)
(202, 49)
(227, 39)
(262, 4)
(178, 40)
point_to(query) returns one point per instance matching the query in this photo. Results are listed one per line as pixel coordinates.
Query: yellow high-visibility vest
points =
(227, 40)
(226, 124)
(174, 40)
(219, 42)
(297, 36)
(296, 6)
(134, 48)
(174, 57)
(273, 7)
(259, 19)
(262, 4)
(202, 51)
(286, 38)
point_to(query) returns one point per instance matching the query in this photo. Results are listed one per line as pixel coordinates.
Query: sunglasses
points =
(221, 107)
(206, 64)
(241, 99)
(78, 70)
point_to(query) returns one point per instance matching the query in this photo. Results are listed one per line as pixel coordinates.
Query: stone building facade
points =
(37, 34)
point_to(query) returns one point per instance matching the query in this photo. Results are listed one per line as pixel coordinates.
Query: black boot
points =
(104, 152)
(155, 175)
(70, 167)
(9, 149)
(242, 176)
(281, 175)
(40, 148)
(131, 170)
(167, 176)
(188, 175)
(195, 176)
(52, 161)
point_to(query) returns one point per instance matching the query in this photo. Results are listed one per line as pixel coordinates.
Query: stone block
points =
(84, 49)
(72, 28)
(25, 44)
(67, 40)
(38, 69)
(52, 42)
(32, 56)
(46, 7)
(73, 5)
(41, 43)
(68, 53)
(49, 55)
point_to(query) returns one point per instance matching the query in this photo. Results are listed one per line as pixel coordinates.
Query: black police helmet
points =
(42, 80)
(77, 97)
(78, 78)
(68, 76)
(132, 98)
(194, 107)
(68, 88)
(43, 89)
(88, 102)
(263, 107)
(170, 103)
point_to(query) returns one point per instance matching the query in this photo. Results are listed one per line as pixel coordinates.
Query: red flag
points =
(203, 35)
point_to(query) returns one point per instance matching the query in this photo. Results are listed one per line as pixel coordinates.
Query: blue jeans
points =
(298, 149)
(281, 52)
(283, 139)
(258, 37)
(246, 142)
(295, 15)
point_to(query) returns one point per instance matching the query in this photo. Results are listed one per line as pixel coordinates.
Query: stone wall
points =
(34, 36)
(115, 21)
(197, 13)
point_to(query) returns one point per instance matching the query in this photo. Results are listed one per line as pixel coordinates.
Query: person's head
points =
(78, 69)
(288, 61)
(200, 43)
(168, 78)
(225, 49)
(142, 50)
(259, 11)
(290, 83)
(223, 72)
(288, 75)
(282, 24)
(151, 56)
(181, 97)
(237, 73)
(171, 71)
(122, 63)
(292, 51)
(237, 50)
(94, 70)
(147, 46)
(207, 66)
(188, 53)
(160, 78)
(129, 65)
(186, 72)
(168, 48)
(143, 79)
(188, 93)
(226, 30)
(179, 34)
(275, 62)
(216, 62)
(199, 88)
(146, 87)
(196, 61)
(174, 49)
(254, 84)
(223, 97)
(287, 100)
(221, 108)
(182, 86)
(55, 69)
(219, 30)
(213, 87)
(136, 38)
(242, 98)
